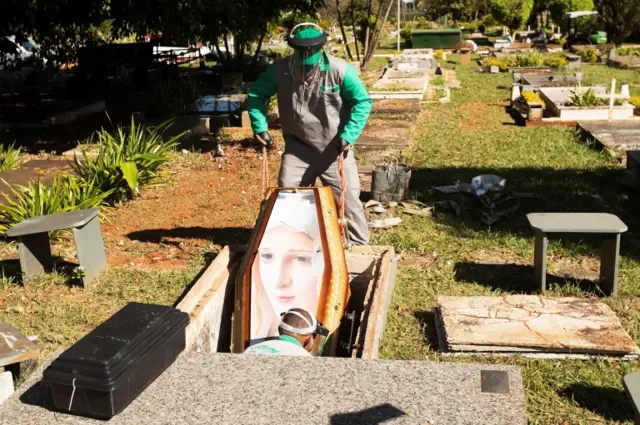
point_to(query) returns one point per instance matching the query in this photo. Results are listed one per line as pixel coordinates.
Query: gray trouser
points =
(300, 167)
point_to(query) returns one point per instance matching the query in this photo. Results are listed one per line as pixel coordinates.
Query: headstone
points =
(465, 59)
(6, 386)
(439, 71)
(624, 91)
(495, 69)
(611, 54)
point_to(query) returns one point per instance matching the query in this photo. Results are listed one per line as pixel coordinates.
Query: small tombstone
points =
(494, 69)
(624, 91)
(611, 55)
(465, 58)
(439, 70)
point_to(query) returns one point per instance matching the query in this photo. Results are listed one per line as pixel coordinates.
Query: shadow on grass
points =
(545, 189)
(427, 320)
(220, 236)
(515, 278)
(607, 402)
(10, 271)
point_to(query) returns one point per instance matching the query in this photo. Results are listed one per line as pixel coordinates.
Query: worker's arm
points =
(259, 94)
(354, 92)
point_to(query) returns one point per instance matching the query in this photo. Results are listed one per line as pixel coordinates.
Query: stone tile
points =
(533, 323)
(242, 389)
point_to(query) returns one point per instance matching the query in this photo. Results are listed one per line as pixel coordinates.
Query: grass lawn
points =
(473, 135)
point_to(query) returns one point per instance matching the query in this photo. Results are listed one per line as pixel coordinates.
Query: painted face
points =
(287, 270)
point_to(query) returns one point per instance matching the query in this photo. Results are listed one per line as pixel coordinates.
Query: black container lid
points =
(106, 351)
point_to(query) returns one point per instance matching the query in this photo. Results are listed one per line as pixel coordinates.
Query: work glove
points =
(266, 139)
(343, 147)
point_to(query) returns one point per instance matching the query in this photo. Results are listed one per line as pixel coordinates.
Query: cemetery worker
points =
(298, 330)
(323, 108)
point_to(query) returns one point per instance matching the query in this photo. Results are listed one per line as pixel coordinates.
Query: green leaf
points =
(130, 172)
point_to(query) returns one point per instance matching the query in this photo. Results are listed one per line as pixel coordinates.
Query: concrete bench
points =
(631, 384)
(607, 225)
(35, 249)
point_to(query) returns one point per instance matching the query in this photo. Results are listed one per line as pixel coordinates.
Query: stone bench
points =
(607, 225)
(631, 384)
(35, 249)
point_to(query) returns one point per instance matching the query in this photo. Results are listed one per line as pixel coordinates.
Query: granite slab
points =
(15, 347)
(531, 323)
(238, 389)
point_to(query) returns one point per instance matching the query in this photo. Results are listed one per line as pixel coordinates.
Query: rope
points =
(265, 172)
(341, 200)
(265, 167)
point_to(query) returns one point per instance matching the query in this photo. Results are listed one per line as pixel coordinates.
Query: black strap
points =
(307, 43)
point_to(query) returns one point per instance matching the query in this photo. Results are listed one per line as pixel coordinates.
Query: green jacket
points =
(335, 105)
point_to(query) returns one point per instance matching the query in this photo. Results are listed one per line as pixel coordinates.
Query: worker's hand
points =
(343, 147)
(265, 139)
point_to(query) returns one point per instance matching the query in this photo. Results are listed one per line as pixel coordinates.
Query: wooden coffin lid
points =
(334, 292)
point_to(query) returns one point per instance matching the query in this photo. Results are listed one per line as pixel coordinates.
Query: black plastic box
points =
(114, 363)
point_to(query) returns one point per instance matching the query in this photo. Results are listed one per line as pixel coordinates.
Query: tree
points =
(620, 17)
(513, 14)
(559, 7)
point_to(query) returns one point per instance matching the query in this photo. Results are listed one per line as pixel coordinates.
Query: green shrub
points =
(586, 98)
(588, 55)
(555, 61)
(628, 51)
(503, 65)
(9, 157)
(405, 33)
(126, 161)
(66, 193)
(438, 54)
(438, 81)
(525, 59)
(482, 28)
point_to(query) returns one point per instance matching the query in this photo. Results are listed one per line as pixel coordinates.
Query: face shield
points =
(306, 40)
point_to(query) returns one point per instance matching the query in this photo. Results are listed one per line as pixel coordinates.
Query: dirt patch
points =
(475, 116)
(197, 210)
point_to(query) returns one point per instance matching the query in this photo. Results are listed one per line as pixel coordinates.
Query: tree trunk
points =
(344, 35)
(369, 54)
(369, 43)
(226, 46)
(367, 31)
(257, 53)
(353, 25)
